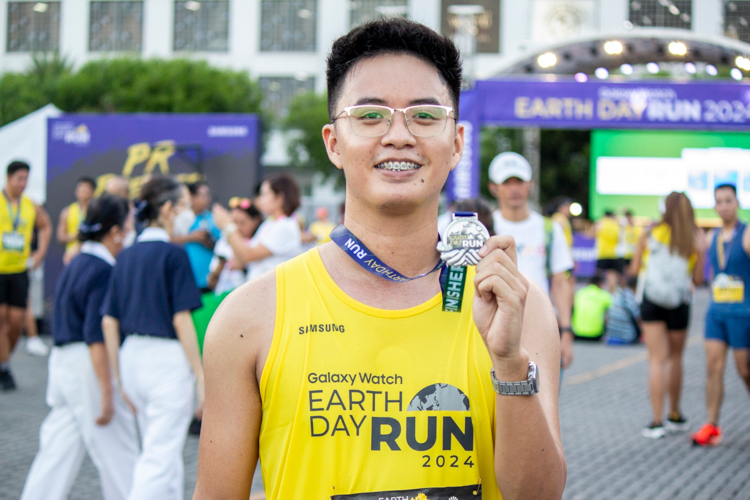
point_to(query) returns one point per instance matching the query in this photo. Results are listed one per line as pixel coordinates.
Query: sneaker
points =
(36, 347)
(6, 381)
(677, 423)
(709, 435)
(654, 431)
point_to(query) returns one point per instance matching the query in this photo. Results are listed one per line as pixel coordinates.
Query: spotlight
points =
(742, 63)
(613, 47)
(601, 73)
(736, 74)
(690, 68)
(677, 48)
(581, 77)
(547, 60)
(652, 68)
(576, 209)
(711, 70)
(626, 69)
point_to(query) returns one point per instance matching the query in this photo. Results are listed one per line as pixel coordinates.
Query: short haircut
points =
(628, 213)
(193, 187)
(87, 180)
(15, 166)
(286, 185)
(393, 35)
(727, 186)
(597, 279)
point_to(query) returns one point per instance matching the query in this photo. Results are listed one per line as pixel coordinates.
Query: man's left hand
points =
(499, 301)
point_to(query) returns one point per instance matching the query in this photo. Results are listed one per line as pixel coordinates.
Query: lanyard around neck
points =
(17, 218)
(721, 257)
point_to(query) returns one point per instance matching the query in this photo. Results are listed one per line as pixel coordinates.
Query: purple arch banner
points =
(593, 105)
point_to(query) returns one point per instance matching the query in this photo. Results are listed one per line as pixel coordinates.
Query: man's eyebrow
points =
(370, 100)
(382, 102)
(426, 100)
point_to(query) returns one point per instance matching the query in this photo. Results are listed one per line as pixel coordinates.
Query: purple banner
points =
(591, 105)
(463, 182)
(584, 256)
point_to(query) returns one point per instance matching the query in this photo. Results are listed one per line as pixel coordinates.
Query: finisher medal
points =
(459, 247)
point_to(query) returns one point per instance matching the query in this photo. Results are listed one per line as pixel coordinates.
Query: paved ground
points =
(604, 404)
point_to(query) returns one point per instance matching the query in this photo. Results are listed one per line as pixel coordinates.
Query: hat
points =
(507, 165)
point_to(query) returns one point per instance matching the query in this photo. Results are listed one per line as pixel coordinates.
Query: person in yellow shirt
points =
(321, 228)
(631, 235)
(607, 241)
(72, 216)
(19, 216)
(351, 385)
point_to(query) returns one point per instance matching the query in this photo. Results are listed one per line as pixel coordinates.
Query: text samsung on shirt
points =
(320, 327)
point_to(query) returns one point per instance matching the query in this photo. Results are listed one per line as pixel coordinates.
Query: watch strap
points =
(527, 387)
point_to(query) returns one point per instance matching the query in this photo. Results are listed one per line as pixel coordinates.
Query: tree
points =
(308, 113)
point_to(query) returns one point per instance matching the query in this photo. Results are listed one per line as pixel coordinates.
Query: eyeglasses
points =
(237, 202)
(374, 121)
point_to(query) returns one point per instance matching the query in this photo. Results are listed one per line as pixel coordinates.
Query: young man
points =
(19, 216)
(608, 258)
(351, 386)
(728, 316)
(543, 252)
(72, 216)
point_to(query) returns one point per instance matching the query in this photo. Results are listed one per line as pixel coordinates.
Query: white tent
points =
(26, 139)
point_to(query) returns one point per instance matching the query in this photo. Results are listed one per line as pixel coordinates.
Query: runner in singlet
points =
(19, 216)
(728, 316)
(352, 386)
(72, 216)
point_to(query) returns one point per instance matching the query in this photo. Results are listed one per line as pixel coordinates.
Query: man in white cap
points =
(543, 253)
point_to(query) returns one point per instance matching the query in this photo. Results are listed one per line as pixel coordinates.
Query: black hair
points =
(87, 180)
(632, 282)
(154, 194)
(727, 186)
(285, 184)
(609, 213)
(392, 35)
(15, 166)
(251, 211)
(193, 187)
(628, 212)
(480, 207)
(596, 279)
(102, 215)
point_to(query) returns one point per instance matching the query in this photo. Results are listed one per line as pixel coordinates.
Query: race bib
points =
(728, 289)
(13, 242)
(471, 492)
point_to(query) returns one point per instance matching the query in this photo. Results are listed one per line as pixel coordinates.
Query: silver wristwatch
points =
(528, 387)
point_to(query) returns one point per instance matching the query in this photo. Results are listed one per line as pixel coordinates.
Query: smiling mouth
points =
(398, 166)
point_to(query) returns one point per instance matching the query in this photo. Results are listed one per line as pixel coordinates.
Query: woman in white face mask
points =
(150, 297)
(87, 414)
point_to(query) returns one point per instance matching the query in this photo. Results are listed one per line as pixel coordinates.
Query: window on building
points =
(362, 11)
(661, 13)
(33, 26)
(278, 92)
(116, 26)
(737, 19)
(288, 25)
(201, 26)
(488, 23)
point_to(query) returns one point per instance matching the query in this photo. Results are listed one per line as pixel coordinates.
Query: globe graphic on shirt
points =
(440, 397)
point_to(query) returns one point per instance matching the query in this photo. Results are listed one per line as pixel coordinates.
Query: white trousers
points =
(156, 375)
(69, 430)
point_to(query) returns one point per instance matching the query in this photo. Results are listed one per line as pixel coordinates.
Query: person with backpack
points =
(669, 260)
(543, 252)
(624, 316)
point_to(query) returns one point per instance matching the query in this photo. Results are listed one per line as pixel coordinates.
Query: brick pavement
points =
(604, 404)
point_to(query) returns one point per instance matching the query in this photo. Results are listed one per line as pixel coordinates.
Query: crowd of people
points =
(149, 338)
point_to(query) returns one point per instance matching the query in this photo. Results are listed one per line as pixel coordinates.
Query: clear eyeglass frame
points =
(422, 120)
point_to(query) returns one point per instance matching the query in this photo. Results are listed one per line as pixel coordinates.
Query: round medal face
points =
(461, 241)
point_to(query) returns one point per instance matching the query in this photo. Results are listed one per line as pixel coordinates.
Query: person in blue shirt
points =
(200, 241)
(148, 307)
(87, 415)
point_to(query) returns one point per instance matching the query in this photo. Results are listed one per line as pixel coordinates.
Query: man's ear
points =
(330, 139)
(458, 146)
(492, 188)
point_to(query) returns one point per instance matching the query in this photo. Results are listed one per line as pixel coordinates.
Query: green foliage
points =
(564, 166)
(308, 113)
(128, 85)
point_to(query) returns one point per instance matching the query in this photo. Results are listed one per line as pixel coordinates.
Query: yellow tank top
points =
(565, 224)
(361, 400)
(75, 216)
(607, 238)
(16, 244)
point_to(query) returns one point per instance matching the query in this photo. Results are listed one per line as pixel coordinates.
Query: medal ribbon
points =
(452, 279)
(17, 219)
(720, 256)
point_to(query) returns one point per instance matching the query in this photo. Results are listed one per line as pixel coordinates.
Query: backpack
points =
(667, 280)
